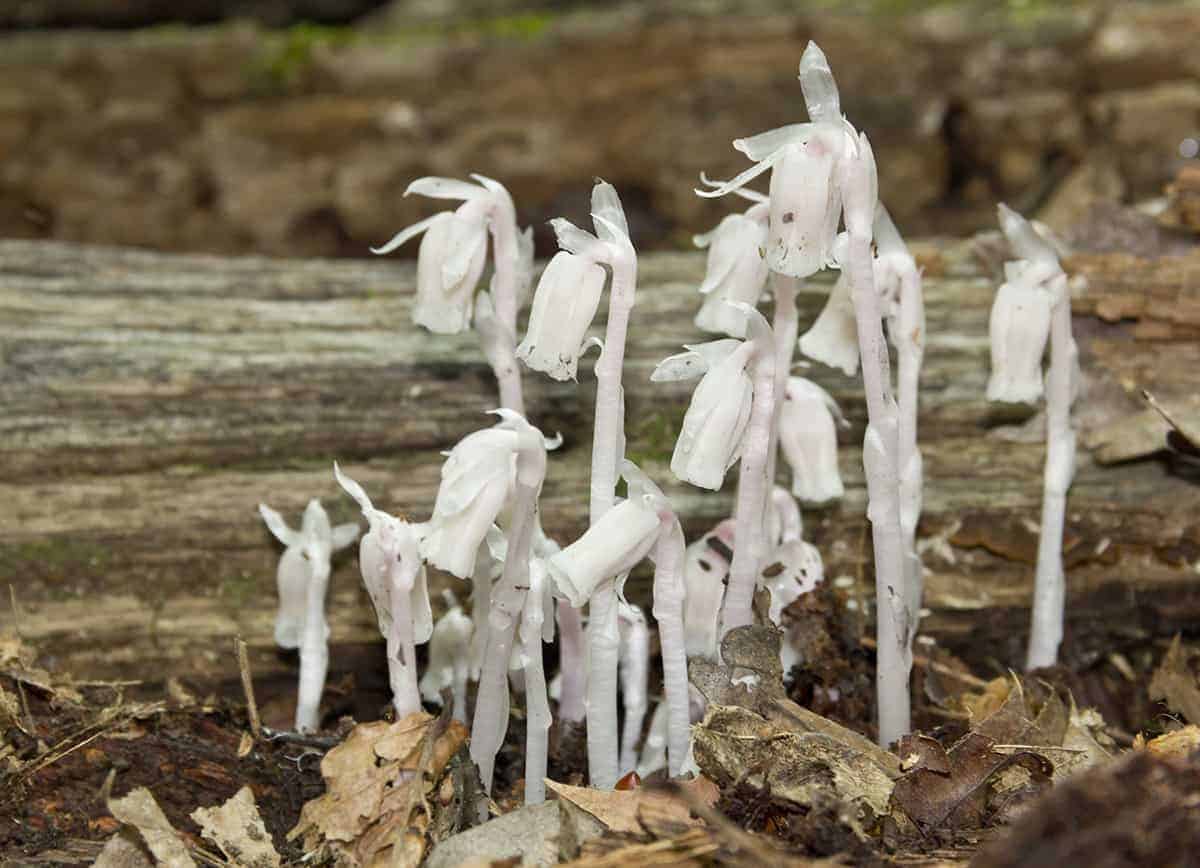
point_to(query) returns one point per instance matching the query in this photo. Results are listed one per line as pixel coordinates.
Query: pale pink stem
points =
(786, 326)
(668, 611)
(504, 293)
(573, 682)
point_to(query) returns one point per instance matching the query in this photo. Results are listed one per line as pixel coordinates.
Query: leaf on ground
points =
(122, 851)
(644, 809)
(375, 809)
(952, 787)
(735, 744)
(1176, 684)
(138, 808)
(1180, 743)
(1085, 743)
(237, 828)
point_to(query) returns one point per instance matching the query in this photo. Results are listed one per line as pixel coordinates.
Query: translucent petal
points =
(278, 527)
(353, 489)
(763, 145)
(606, 204)
(820, 89)
(344, 535)
(573, 239)
(695, 362)
(741, 180)
(749, 195)
(1025, 240)
(641, 485)
(564, 306)
(833, 337)
(445, 188)
(409, 232)
(422, 612)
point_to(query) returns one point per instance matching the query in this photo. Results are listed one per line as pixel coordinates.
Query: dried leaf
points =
(529, 834)
(1181, 743)
(931, 798)
(237, 828)
(736, 744)
(639, 810)
(374, 810)
(1175, 683)
(121, 851)
(138, 808)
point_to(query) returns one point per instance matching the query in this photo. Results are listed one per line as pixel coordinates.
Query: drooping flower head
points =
(705, 569)
(452, 253)
(389, 558)
(306, 556)
(737, 269)
(569, 291)
(805, 192)
(710, 440)
(477, 480)
(808, 439)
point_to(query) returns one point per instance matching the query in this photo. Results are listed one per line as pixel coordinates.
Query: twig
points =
(248, 688)
(939, 668)
(1038, 747)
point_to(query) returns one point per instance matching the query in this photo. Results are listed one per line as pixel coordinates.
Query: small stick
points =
(934, 666)
(248, 688)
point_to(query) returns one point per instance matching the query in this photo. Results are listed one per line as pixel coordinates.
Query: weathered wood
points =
(151, 401)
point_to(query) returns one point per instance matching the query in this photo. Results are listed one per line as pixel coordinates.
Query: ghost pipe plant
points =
(449, 659)
(395, 580)
(451, 261)
(808, 420)
(558, 318)
(705, 569)
(613, 546)
(634, 670)
(536, 628)
(1032, 306)
(736, 271)
(303, 579)
(730, 417)
(525, 460)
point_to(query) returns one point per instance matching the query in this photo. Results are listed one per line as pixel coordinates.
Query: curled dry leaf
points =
(1176, 684)
(237, 828)
(952, 787)
(1180, 743)
(138, 808)
(735, 744)
(374, 810)
(122, 851)
(638, 810)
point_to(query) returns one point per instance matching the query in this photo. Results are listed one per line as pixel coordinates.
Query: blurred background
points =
(291, 127)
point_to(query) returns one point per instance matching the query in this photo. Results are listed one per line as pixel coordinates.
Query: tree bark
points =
(151, 401)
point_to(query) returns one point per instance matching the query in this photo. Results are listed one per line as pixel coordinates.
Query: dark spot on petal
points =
(788, 217)
(773, 570)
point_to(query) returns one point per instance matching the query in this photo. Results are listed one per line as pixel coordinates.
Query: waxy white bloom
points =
(306, 554)
(792, 571)
(449, 660)
(477, 479)
(452, 253)
(710, 440)
(563, 307)
(737, 269)
(808, 439)
(1019, 328)
(614, 544)
(568, 294)
(705, 568)
(804, 159)
(833, 337)
(634, 670)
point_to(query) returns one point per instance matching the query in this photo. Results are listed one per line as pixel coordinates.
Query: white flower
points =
(568, 294)
(614, 544)
(808, 440)
(1019, 328)
(859, 181)
(710, 440)
(805, 197)
(736, 272)
(833, 337)
(306, 555)
(477, 479)
(705, 568)
(784, 522)
(452, 254)
(563, 307)
(449, 657)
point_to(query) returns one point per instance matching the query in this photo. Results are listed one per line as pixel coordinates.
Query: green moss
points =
(53, 559)
(239, 588)
(286, 56)
(651, 438)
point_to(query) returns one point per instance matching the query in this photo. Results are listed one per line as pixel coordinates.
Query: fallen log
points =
(151, 401)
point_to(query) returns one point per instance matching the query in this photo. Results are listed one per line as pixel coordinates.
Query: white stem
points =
(750, 511)
(607, 443)
(634, 669)
(537, 713)
(481, 604)
(507, 598)
(1050, 584)
(459, 686)
(786, 325)
(401, 649)
(573, 682)
(893, 660)
(910, 350)
(668, 611)
(504, 291)
(314, 652)
(603, 649)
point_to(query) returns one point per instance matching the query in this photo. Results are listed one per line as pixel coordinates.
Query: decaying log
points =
(151, 401)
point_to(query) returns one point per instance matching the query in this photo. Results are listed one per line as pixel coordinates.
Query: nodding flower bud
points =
(808, 440)
(736, 272)
(710, 440)
(1019, 328)
(614, 544)
(833, 338)
(449, 660)
(477, 480)
(306, 556)
(705, 568)
(860, 187)
(564, 304)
